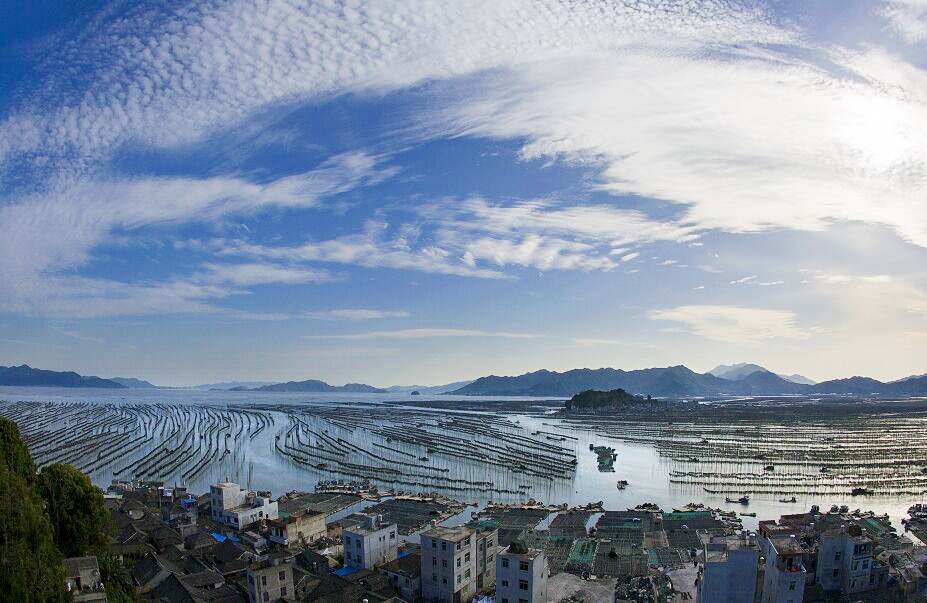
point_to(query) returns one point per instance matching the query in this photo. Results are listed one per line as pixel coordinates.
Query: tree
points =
(30, 565)
(75, 506)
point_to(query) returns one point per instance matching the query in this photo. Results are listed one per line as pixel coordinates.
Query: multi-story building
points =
(370, 543)
(784, 577)
(449, 565)
(82, 579)
(405, 574)
(300, 528)
(486, 550)
(730, 570)
(270, 580)
(521, 574)
(238, 509)
(845, 562)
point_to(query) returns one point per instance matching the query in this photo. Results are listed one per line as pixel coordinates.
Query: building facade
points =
(449, 564)
(238, 509)
(521, 574)
(270, 580)
(845, 562)
(730, 570)
(785, 574)
(301, 528)
(370, 543)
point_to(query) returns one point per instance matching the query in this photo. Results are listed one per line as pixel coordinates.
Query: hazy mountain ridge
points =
(26, 376)
(133, 382)
(735, 372)
(314, 385)
(678, 381)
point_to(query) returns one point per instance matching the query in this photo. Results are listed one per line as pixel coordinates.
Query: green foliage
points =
(30, 565)
(75, 506)
(592, 399)
(116, 579)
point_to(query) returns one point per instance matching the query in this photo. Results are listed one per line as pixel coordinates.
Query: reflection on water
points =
(285, 441)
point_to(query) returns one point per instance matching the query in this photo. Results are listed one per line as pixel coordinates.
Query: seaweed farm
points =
(782, 455)
(405, 450)
(844, 449)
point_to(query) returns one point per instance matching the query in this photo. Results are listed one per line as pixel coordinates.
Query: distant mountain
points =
(133, 382)
(428, 389)
(25, 375)
(796, 378)
(314, 385)
(738, 371)
(735, 371)
(678, 381)
(234, 385)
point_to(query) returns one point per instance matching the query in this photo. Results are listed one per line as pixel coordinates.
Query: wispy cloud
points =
(426, 334)
(355, 314)
(908, 19)
(731, 324)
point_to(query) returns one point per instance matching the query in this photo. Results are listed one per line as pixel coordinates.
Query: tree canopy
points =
(75, 506)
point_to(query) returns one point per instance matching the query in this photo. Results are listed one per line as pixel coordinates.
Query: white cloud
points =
(355, 314)
(908, 19)
(731, 324)
(426, 334)
(745, 279)
(630, 256)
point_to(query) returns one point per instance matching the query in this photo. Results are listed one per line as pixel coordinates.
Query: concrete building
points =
(405, 574)
(449, 564)
(82, 579)
(270, 580)
(298, 529)
(238, 509)
(784, 578)
(845, 562)
(730, 570)
(370, 543)
(487, 547)
(521, 574)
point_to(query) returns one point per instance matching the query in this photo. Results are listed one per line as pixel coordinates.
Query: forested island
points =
(597, 400)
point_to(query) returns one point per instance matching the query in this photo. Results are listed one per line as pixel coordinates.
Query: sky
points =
(420, 192)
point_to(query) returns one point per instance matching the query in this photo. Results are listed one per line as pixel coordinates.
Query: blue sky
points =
(421, 192)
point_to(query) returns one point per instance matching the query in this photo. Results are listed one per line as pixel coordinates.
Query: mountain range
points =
(25, 375)
(679, 381)
(674, 381)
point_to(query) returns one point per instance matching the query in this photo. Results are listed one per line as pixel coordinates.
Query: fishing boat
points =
(860, 491)
(622, 484)
(787, 500)
(744, 500)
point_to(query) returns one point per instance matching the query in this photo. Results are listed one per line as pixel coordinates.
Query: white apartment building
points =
(521, 574)
(370, 543)
(785, 574)
(449, 564)
(730, 570)
(238, 509)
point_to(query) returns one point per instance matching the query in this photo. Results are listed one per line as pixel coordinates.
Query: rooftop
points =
(450, 534)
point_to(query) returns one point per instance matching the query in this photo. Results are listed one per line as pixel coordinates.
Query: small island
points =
(594, 400)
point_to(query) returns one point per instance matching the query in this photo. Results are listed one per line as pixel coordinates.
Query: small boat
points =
(745, 514)
(844, 509)
(787, 500)
(744, 500)
(622, 484)
(834, 509)
(860, 491)
(769, 468)
(423, 458)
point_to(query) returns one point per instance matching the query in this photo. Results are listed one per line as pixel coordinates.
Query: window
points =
(837, 556)
(504, 600)
(347, 541)
(467, 574)
(443, 580)
(263, 580)
(836, 572)
(282, 575)
(467, 541)
(865, 564)
(282, 591)
(434, 577)
(443, 546)
(523, 601)
(444, 563)
(791, 586)
(505, 562)
(434, 561)
(523, 566)
(266, 596)
(489, 558)
(505, 583)
(522, 585)
(467, 558)
(489, 542)
(458, 578)
(392, 535)
(458, 562)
